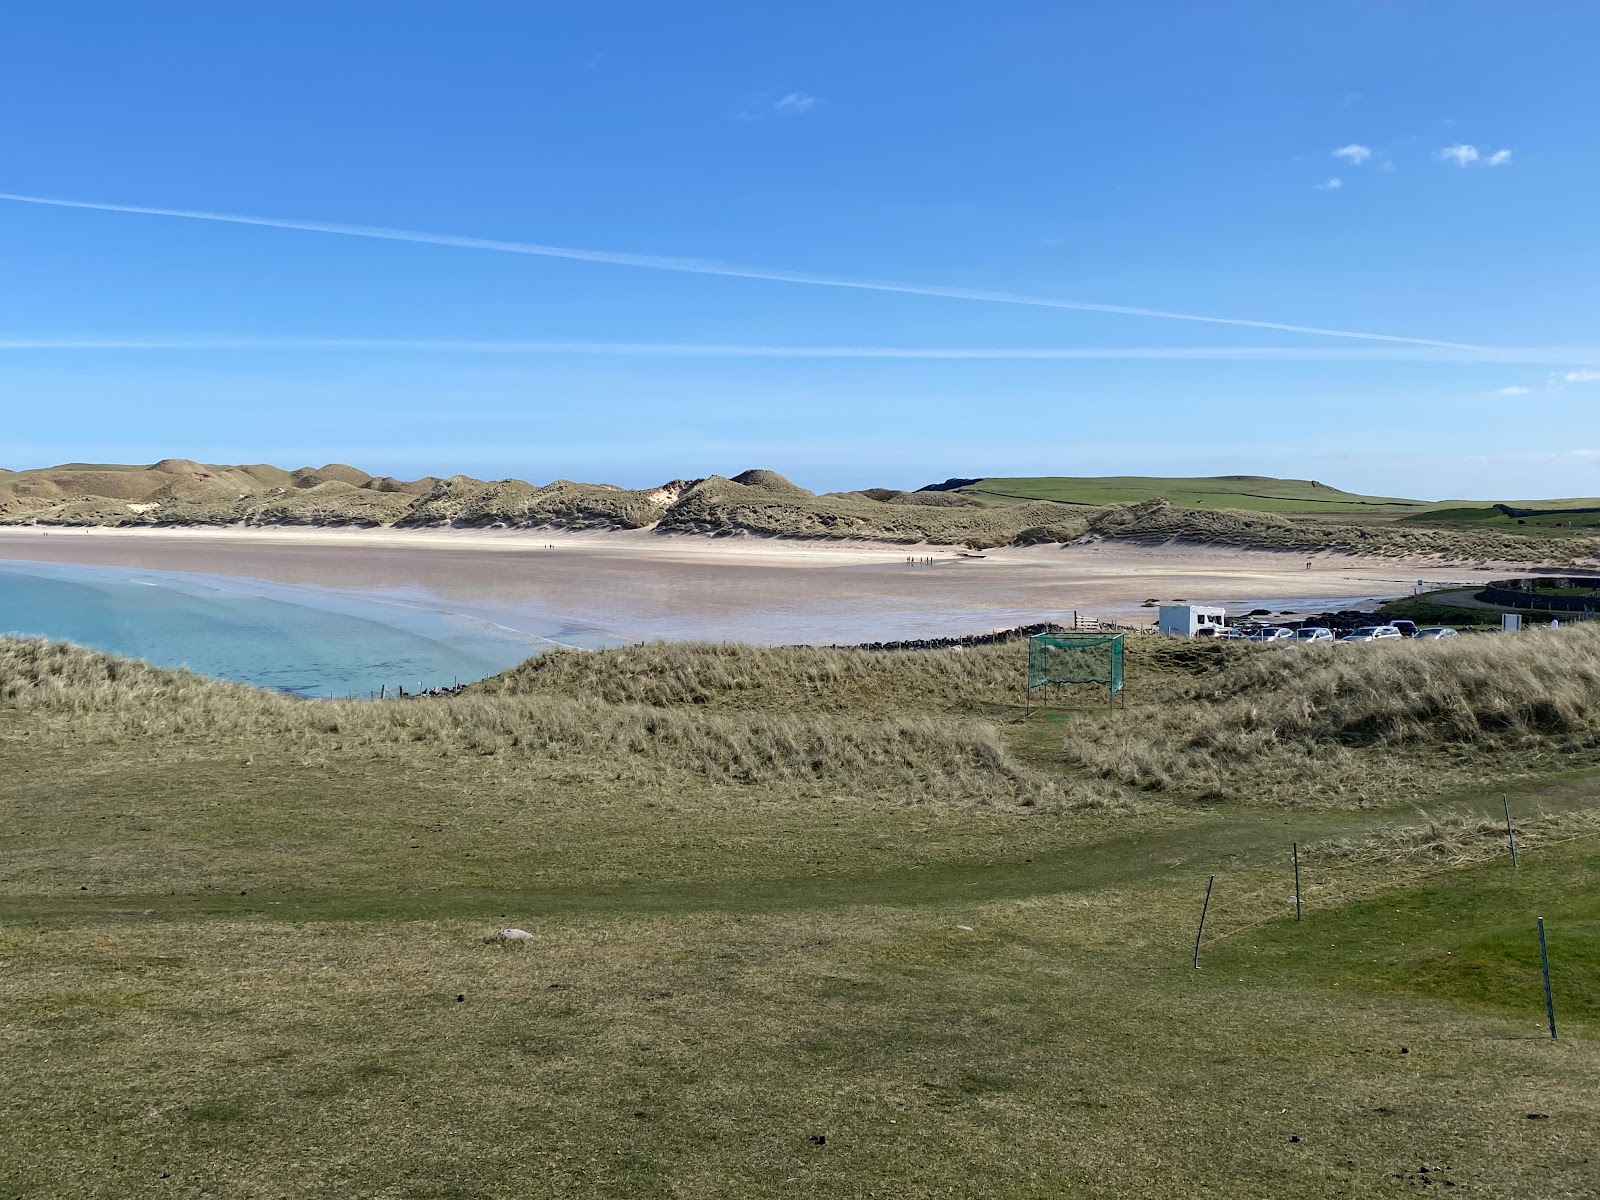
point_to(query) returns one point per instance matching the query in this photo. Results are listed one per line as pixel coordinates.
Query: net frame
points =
(1057, 659)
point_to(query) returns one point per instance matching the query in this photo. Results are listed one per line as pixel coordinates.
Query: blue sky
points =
(1411, 171)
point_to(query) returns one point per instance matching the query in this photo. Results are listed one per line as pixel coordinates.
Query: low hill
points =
(1257, 493)
(1532, 518)
(1242, 511)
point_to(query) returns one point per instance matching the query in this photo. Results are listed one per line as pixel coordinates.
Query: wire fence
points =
(1332, 884)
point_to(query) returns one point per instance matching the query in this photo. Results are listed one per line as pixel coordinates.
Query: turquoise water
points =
(303, 640)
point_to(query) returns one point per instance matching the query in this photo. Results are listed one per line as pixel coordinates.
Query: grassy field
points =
(806, 922)
(1252, 493)
(1550, 518)
(1439, 607)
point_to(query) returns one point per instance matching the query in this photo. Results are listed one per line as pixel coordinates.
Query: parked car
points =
(1313, 635)
(1372, 633)
(1272, 633)
(1406, 628)
(1434, 632)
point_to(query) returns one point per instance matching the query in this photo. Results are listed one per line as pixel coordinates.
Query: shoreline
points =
(640, 586)
(649, 541)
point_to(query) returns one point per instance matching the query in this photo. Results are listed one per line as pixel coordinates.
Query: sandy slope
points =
(641, 585)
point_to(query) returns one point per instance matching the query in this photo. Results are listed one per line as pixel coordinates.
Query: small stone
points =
(967, 928)
(819, 1139)
(460, 999)
(509, 935)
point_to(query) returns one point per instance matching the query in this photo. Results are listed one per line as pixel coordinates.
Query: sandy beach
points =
(637, 585)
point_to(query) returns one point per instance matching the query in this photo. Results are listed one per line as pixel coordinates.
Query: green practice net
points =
(1058, 659)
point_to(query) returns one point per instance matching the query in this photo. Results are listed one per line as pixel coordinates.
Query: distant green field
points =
(1549, 517)
(1258, 492)
(1263, 493)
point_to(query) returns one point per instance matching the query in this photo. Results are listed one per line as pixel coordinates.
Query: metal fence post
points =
(1296, 880)
(1544, 965)
(1198, 932)
(1511, 834)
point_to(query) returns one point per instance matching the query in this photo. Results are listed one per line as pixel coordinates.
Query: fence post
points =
(1511, 834)
(1296, 846)
(1198, 932)
(1544, 965)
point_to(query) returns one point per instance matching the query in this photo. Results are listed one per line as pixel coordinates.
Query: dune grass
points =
(797, 931)
(1243, 511)
(1348, 724)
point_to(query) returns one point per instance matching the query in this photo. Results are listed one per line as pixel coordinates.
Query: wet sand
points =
(637, 585)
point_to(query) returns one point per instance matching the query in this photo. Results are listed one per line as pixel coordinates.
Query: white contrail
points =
(1541, 355)
(701, 266)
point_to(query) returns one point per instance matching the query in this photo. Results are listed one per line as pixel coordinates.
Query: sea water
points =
(307, 641)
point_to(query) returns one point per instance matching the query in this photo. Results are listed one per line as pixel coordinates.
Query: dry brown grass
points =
(1349, 725)
(1452, 838)
(909, 759)
(1157, 520)
(1363, 724)
(772, 507)
(800, 679)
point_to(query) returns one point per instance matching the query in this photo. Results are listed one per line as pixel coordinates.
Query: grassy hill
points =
(805, 923)
(1533, 518)
(1253, 493)
(1244, 511)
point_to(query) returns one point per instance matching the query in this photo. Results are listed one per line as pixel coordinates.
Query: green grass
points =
(1545, 520)
(1425, 609)
(242, 937)
(1468, 937)
(1257, 493)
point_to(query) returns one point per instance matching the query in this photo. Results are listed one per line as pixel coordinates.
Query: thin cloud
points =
(1546, 355)
(1582, 376)
(795, 103)
(1331, 185)
(1513, 390)
(1355, 153)
(700, 266)
(1464, 154)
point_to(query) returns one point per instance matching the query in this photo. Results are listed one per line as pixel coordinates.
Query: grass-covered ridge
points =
(1242, 492)
(805, 922)
(1243, 511)
(1366, 725)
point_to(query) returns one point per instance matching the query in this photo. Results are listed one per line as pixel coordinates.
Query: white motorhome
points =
(1186, 620)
